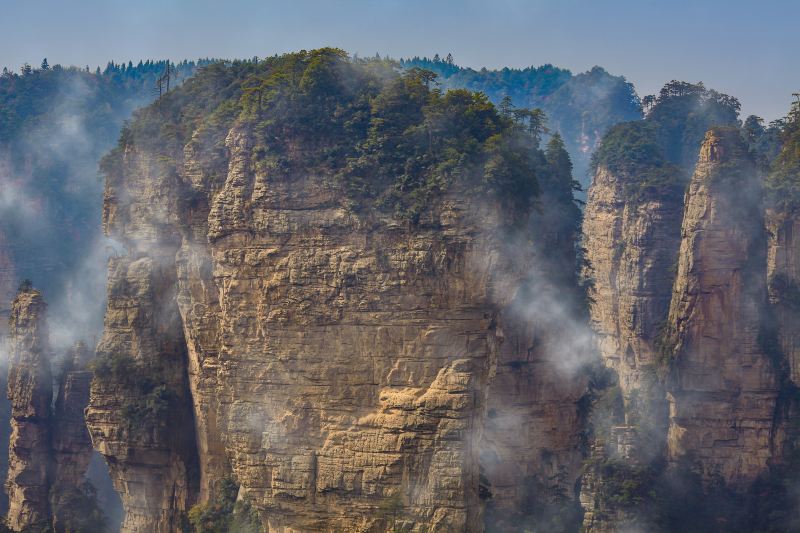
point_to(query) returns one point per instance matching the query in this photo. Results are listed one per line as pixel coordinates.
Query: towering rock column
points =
(631, 236)
(30, 391)
(724, 388)
(139, 416)
(631, 244)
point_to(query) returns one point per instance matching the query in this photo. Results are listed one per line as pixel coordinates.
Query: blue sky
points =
(745, 48)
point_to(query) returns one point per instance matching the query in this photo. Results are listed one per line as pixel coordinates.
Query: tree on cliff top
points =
(783, 182)
(682, 114)
(656, 155)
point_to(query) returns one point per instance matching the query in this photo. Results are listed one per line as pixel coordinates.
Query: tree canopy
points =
(389, 136)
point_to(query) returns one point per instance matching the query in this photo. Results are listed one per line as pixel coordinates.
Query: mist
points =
(51, 198)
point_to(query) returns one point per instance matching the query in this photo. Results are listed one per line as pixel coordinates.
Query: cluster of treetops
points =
(658, 153)
(391, 137)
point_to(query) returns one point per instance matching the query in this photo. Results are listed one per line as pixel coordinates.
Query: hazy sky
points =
(745, 48)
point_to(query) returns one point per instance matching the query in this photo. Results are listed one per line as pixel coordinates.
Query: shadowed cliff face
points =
(783, 274)
(697, 338)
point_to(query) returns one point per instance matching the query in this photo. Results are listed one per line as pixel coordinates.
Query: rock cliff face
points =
(275, 330)
(343, 368)
(531, 451)
(30, 390)
(632, 245)
(139, 416)
(71, 442)
(722, 398)
(783, 274)
(698, 339)
(631, 237)
(50, 448)
(71, 446)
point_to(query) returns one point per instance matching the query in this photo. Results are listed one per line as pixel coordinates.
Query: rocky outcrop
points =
(50, 449)
(340, 364)
(140, 417)
(30, 390)
(631, 243)
(724, 387)
(631, 236)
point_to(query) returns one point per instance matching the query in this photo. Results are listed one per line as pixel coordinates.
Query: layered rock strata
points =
(30, 390)
(631, 236)
(631, 244)
(340, 364)
(140, 417)
(724, 387)
(50, 448)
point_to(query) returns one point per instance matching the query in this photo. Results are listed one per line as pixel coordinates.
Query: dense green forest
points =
(391, 139)
(580, 107)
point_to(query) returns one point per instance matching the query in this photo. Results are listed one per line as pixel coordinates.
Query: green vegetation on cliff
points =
(682, 114)
(631, 150)
(147, 396)
(392, 140)
(581, 107)
(783, 182)
(223, 513)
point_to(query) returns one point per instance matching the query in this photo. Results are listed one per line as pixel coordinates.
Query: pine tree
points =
(45, 65)
(436, 58)
(560, 165)
(506, 105)
(449, 59)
